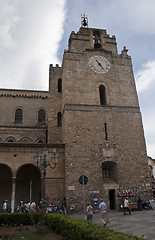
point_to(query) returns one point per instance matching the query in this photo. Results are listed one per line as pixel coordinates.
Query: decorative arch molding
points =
(40, 140)
(26, 140)
(10, 139)
(43, 124)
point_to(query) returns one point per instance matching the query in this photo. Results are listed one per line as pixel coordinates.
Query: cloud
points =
(8, 22)
(150, 150)
(32, 31)
(145, 77)
(140, 15)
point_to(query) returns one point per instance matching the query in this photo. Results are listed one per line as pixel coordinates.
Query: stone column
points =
(13, 194)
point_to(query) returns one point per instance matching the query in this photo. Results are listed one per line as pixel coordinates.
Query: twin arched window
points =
(19, 116)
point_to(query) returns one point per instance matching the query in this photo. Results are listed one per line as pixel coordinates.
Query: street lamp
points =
(42, 163)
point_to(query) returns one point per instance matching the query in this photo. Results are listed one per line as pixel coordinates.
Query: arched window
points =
(59, 85)
(41, 116)
(59, 122)
(102, 95)
(18, 116)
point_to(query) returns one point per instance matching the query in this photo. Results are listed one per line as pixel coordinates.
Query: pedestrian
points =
(62, 208)
(20, 208)
(27, 207)
(139, 203)
(103, 208)
(89, 212)
(126, 206)
(5, 206)
(9, 207)
(33, 207)
(40, 204)
(58, 206)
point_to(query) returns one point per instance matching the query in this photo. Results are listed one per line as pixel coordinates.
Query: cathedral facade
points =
(90, 118)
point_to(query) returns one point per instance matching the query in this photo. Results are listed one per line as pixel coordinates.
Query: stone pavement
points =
(139, 223)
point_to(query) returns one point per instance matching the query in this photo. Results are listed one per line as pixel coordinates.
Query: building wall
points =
(89, 147)
(90, 138)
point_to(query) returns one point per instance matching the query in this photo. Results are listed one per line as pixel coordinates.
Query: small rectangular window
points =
(106, 173)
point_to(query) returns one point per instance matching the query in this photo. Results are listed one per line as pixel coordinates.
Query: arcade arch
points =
(5, 184)
(28, 178)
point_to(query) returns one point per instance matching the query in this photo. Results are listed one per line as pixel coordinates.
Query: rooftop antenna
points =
(84, 21)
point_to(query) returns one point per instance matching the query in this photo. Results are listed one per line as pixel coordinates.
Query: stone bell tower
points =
(101, 121)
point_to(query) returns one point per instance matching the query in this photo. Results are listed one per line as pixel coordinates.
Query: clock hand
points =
(99, 63)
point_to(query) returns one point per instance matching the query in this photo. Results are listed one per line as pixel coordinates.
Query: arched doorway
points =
(5, 184)
(28, 177)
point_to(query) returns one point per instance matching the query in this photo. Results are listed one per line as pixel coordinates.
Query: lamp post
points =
(42, 163)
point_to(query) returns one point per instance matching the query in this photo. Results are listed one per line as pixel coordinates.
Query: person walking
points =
(89, 212)
(139, 203)
(126, 206)
(102, 208)
(5, 206)
(62, 208)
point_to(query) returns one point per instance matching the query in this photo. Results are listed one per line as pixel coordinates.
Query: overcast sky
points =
(34, 34)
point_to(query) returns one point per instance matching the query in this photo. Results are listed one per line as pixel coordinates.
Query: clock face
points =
(99, 64)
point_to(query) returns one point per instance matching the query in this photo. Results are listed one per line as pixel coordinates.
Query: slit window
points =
(59, 121)
(102, 95)
(59, 85)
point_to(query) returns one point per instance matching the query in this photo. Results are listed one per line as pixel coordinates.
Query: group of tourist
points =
(104, 210)
(60, 207)
(26, 207)
(22, 207)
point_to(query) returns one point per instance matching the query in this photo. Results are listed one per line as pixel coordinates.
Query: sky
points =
(34, 34)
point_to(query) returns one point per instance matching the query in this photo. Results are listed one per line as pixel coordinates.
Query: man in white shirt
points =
(126, 206)
(102, 208)
(5, 206)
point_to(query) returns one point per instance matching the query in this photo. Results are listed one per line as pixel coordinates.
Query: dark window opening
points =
(18, 116)
(106, 173)
(96, 40)
(102, 95)
(59, 85)
(41, 116)
(106, 131)
(59, 122)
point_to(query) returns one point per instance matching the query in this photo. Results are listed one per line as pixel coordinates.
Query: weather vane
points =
(84, 21)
